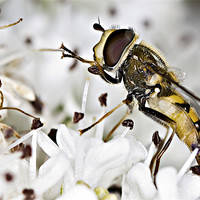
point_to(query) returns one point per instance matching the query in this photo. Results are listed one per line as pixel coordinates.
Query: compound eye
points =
(115, 45)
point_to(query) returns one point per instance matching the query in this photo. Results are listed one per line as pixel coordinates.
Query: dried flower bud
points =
(195, 170)
(103, 99)
(52, 134)
(77, 117)
(128, 123)
(19, 147)
(26, 151)
(29, 194)
(36, 123)
(8, 176)
(8, 132)
(156, 139)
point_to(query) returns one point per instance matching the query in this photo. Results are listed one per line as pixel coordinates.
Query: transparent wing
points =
(180, 74)
(174, 82)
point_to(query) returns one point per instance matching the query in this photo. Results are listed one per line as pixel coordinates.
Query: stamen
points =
(32, 166)
(128, 123)
(151, 152)
(156, 139)
(84, 99)
(121, 121)
(103, 99)
(123, 134)
(187, 164)
(85, 95)
(153, 148)
(21, 140)
(102, 118)
(100, 127)
(77, 117)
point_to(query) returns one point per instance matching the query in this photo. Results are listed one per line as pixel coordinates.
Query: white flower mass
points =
(42, 154)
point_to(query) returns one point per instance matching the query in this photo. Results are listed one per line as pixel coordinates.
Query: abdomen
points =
(176, 108)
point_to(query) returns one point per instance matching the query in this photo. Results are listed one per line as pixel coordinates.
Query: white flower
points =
(166, 181)
(138, 184)
(15, 94)
(188, 187)
(13, 176)
(89, 159)
(79, 192)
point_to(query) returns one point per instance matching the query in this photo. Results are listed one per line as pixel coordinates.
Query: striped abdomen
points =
(185, 116)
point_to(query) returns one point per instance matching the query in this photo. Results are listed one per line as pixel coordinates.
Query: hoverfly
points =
(148, 81)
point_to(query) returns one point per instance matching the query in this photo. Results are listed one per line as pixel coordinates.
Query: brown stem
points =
(19, 110)
(9, 25)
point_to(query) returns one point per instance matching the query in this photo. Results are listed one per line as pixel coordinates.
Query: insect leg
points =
(126, 101)
(165, 121)
(161, 153)
(116, 126)
(153, 160)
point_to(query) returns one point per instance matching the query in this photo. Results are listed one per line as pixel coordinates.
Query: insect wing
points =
(171, 79)
(179, 74)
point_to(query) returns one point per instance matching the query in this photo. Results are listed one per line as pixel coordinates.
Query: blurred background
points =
(172, 26)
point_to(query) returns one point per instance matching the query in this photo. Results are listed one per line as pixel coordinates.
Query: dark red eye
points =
(115, 45)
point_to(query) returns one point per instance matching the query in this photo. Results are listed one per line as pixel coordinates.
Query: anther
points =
(103, 99)
(156, 139)
(77, 117)
(128, 123)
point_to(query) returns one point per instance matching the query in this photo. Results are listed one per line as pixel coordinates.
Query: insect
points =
(149, 81)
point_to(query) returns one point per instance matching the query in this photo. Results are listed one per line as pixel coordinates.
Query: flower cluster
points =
(49, 159)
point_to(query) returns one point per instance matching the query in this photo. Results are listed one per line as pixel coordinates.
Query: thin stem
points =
(187, 164)
(102, 118)
(13, 24)
(33, 161)
(22, 139)
(19, 110)
(115, 127)
(84, 100)
(2, 99)
(85, 94)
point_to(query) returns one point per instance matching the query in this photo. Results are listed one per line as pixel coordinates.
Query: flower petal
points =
(50, 173)
(79, 192)
(137, 151)
(138, 184)
(167, 183)
(66, 139)
(104, 157)
(50, 148)
(189, 187)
